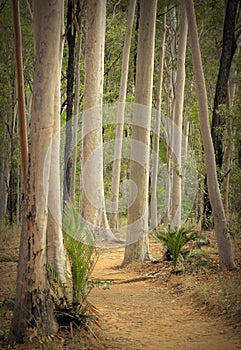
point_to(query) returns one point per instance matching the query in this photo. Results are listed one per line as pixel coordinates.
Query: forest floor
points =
(146, 305)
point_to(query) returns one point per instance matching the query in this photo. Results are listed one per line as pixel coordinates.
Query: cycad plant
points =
(175, 239)
(82, 253)
(82, 256)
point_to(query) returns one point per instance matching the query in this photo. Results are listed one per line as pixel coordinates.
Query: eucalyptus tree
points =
(154, 175)
(120, 118)
(93, 208)
(9, 157)
(71, 41)
(228, 48)
(80, 7)
(20, 89)
(220, 222)
(32, 302)
(178, 120)
(55, 244)
(169, 87)
(137, 241)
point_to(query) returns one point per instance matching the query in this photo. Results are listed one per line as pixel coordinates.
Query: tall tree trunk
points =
(154, 213)
(168, 128)
(5, 161)
(137, 241)
(55, 244)
(32, 302)
(12, 131)
(93, 198)
(70, 35)
(20, 90)
(178, 118)
(220, 223)
(228, 49)
(120, 119)
(78, 24)
(136, 40)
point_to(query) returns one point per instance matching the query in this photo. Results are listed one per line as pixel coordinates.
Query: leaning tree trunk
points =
(120, 119)
(32, 302)
(137, 248)
(220, 223)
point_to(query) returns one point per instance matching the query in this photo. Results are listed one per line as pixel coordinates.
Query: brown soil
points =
(147, 306)
(166, 312)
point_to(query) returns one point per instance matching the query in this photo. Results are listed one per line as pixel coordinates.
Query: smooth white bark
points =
(220, 223)
(93, 198)
(120, 119)
(137, 247)
(55, 243)
(154, 212)
(178, 118)
(31, 302)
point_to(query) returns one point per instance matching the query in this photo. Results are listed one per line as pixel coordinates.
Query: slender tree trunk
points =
(78, 24)
(32, 302)
(220, 223)
(137, 247)
(5, 162)
(228, 49)
(171, 108)
(186, 135)
(12, 131)
(227, 145)
(68, 161)
(154, 213)
(136, 39)
(55, 244)
(120, 119)
(178, 118)
(20, 90)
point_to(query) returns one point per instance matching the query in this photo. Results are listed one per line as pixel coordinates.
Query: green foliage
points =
(175, 239)
(100, 284)
(82, 253)
(73, 308)
(234, 225)
(196, 258)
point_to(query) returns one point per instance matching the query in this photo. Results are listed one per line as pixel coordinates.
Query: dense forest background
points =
(210, 17)
(166, 121)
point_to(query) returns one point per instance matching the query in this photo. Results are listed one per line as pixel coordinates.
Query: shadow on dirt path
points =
(145, 315)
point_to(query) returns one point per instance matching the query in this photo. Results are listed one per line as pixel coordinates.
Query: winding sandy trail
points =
(144, 315)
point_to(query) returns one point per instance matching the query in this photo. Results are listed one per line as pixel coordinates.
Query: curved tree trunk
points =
(220, 223)
(137, 241)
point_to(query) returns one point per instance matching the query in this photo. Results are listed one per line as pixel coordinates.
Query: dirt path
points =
(146, 315)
